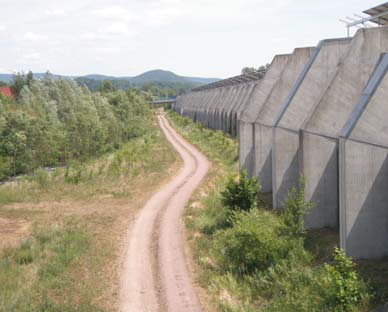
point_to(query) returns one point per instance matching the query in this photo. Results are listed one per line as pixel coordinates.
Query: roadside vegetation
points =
(63, 230)
(251, 258)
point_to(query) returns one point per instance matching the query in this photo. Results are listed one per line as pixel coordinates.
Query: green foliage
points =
(106, 86)
(54, 121)
(216, 216)
(214, 144)
(295, 209)
(241, 194)
(347, 286)
(253, 243)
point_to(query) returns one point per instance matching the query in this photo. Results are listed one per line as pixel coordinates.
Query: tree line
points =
(52, 121)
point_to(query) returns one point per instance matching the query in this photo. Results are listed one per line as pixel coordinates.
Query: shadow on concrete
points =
(290, 180)
(368, 237)
(325, 199)
(264, 174)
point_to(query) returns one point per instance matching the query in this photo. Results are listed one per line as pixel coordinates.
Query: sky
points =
(203, 38)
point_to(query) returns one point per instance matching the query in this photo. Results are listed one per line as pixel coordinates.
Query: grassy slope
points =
(62, 234)
(228, 293)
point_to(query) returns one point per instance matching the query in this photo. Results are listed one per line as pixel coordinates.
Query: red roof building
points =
(6, 91)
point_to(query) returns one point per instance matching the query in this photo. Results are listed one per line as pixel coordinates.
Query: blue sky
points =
(212, 38)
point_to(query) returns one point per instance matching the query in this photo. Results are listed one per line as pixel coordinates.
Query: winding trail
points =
(155, 274)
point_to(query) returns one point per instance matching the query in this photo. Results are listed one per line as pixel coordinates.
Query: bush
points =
(347, 287)
(295, 209)
(241, 194)
(253, 243)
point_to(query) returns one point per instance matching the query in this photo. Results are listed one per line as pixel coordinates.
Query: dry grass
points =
(97, 210)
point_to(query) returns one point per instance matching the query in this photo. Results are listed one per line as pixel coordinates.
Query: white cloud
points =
(55, 12)
(31, 36)
(106, 50)
(113, 12)
(116, 29)
(30, 57)
(88, 36)
(2, 28)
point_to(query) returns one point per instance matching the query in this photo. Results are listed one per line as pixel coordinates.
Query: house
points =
(7, 91)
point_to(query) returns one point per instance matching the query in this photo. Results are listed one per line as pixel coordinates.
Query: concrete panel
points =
(262, 155)
(205, 102)
(212, 112)
(243, 89)
(228, 98)
(246, 152)
(234, 98)
(235, 114)
(364, 213)
(285, 163)
(319, 164)
(253, 106)
(339, 100)
(215, 111)
(269, 111)
(331, 113)
(206, 116)
(314, 80)
(262, 91)
(363, 171)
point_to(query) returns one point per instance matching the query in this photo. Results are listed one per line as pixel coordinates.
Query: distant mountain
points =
(6, 77)
(156, 75)
(152, 76)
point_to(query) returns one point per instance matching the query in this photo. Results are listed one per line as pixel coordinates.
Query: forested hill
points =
(160, 78)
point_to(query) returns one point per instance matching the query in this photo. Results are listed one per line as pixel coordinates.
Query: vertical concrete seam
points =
(274, 199)
(342, 193)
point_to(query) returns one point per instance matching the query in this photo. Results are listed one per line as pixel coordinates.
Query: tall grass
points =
(36, 275)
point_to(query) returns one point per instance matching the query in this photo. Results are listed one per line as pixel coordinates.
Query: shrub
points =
(347, 286)
(241, 194)
(295, 209)
(253, 243)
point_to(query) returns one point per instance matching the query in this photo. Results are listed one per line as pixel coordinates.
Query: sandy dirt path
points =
(155, 273)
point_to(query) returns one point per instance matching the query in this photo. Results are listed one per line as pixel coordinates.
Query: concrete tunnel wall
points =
(268, 112)
(250, 113)
(363, 171)
(305, 94)
(319, 136)
(292, 122)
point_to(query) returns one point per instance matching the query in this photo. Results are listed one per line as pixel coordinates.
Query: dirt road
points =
(155, 274)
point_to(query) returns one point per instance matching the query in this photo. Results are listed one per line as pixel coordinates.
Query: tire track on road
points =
(159, 280)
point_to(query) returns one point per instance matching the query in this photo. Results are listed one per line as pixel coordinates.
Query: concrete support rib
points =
(235, 114)
(307, 91)
(240, 97)
(319, 135)
(227, 98)
(233, 99)
(363, 171)
(252, 109)
(211, 112)
(268, 112)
